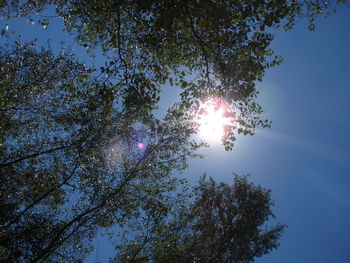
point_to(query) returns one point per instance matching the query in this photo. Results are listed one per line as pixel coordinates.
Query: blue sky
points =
(305, 157)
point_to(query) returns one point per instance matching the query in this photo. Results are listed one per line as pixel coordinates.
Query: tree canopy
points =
(222, 223)
(81, 149)
(71, 161)
(208, 48)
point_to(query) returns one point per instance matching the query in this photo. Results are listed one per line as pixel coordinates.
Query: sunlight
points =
(213, 116)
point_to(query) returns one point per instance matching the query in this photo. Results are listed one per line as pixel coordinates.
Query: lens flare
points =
(140, 146)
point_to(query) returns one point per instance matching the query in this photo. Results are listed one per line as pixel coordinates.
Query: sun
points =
(213, 117)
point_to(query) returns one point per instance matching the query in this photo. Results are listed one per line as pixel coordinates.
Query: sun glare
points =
(213, 117)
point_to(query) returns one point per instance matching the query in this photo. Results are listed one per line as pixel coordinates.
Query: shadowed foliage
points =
(69, 158)
(208, 48)
(80, 148)
(222, 223)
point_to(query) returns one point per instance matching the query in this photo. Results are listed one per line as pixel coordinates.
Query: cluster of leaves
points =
(80, 149)
(60, 181)
(223, 44)
(222, 223)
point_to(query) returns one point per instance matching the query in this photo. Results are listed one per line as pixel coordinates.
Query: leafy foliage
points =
(207, 48)
(70, 161)
(80, 149)
(223, 223)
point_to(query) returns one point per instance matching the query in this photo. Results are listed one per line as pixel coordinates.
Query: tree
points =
(80, 148)
(222, 223)
(208, 48)
(71, 160)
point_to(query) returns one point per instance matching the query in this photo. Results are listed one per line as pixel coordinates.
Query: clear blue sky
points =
(305, 157)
